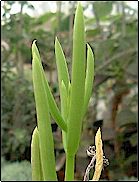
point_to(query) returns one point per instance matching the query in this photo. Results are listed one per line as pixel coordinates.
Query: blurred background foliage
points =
(112, 32)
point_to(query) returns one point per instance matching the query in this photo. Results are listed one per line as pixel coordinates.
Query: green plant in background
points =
(15, 171)
(16, 117)
(74, 102)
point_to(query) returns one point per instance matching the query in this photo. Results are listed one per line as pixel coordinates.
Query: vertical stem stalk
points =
(69, 175)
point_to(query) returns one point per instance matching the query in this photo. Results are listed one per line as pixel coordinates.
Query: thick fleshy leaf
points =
(77, 83)
(63, 79)
(52, 104)
(61, 65)
(89, 78)
(44, 125)
(64, 110)
(37, 174)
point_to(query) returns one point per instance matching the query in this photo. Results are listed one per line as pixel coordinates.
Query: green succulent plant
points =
(74, 96)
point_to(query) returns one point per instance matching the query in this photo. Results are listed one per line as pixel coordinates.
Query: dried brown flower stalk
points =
(99, 156)
(96, 153)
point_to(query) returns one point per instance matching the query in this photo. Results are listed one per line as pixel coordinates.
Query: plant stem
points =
(69, 175)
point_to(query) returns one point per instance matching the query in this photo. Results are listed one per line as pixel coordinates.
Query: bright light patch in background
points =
(15, 8)
(42, 7)
(47, 6)
(132, 4)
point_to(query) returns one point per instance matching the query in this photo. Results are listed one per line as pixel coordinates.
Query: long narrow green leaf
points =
(52, 104)
(44, 125)
(89, 78)
(77, 84)
(64, 100)
(37, 174)
(68, 99)
(64, 111)
(61, 65)
(63, 79)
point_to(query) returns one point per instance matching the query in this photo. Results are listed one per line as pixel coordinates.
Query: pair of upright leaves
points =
(74, 101)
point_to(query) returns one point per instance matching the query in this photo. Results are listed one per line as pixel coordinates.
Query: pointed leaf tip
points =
(34, 45)
(35, 51)
(56, 39)
(88, 46)
(78, 3)
(34, 41)
(79, 6)
(62, 82)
